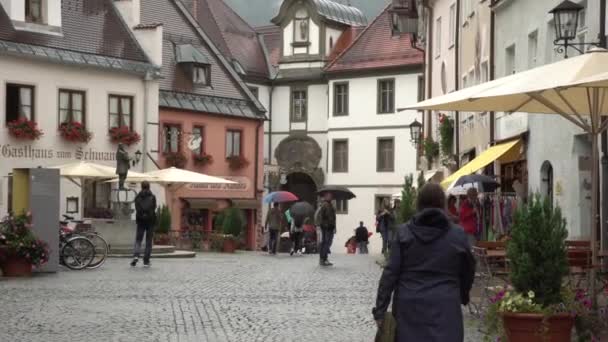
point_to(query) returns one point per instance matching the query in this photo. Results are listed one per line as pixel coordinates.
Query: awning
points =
(486, 157)
(187, 53)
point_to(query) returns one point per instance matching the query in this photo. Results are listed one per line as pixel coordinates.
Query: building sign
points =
(242, 184)
(8, 151)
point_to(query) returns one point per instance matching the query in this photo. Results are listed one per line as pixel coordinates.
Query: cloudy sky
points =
(259, 12)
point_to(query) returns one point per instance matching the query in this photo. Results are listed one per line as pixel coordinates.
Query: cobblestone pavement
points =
(244, 297)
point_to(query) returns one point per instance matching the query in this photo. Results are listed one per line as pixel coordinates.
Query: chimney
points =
(150, 38)
(130, 10)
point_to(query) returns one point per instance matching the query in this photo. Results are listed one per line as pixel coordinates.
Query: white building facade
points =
(49, 77)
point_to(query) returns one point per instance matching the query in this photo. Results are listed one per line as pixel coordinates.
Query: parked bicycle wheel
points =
(101, 249)
(77, 253)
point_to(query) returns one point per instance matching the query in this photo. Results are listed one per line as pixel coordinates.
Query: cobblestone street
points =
(243, 297)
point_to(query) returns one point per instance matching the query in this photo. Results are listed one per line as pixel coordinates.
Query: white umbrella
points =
(84, 169)
(572, 88)
(174, 175)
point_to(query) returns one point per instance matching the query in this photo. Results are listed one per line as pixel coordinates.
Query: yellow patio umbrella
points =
(574, 88)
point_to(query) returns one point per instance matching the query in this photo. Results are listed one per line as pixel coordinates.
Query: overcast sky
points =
(259, 12)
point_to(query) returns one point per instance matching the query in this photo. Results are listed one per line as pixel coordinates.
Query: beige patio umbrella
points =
(575, 88)
(176, 176)
(84, 169)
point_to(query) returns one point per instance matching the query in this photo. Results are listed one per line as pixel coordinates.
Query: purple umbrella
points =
(280, 197)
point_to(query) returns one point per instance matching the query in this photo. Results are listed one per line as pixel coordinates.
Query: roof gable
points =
(377, 48)
(328, 10)
(90, 27)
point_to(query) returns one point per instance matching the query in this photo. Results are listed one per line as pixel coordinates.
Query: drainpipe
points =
(429, 89)
(257, 156)
(604, 144)
(146, 82)
(456, 80)
(492, 71)
(270, 124)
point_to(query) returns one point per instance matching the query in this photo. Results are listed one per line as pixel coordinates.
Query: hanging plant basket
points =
(202, 159)
(74, 132)
(176, 159)
(24, 129)
(237, 162)
(124, 135)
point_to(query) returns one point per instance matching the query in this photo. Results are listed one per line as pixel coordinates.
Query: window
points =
(532, 49)
(331, 43)
(341, 206)
(33, 11)
(201, 75)
(381, 202)
(19, 102)
(452, 25)
(438, 38)
(340, 99)
(197, 140)
(484, 72)
(550, 52)
(340, 163)
(546, 177)
(510, 60)
(298, 105)
(255, 91)
(420, 88)
(121, 111)
(386, 155)
(97, 199)
(386, 96)
(171, 138)
(233, 143)
(71, 106)
(582, 16)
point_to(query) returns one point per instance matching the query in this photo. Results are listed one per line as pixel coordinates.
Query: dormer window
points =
(201, 75)
(301, 28)
(33, 11)
(194, 63)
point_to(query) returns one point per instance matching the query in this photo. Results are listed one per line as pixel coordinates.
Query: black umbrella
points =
(486, 183)
(339, 192)
(302, 209)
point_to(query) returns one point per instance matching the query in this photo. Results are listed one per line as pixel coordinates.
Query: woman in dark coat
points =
(429, 274)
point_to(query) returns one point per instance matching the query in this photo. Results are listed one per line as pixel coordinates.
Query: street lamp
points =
(404, 18)
(565, 17)
(415, 133)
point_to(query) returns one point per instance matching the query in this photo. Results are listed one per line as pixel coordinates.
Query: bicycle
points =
(75, 252)
(99, 243)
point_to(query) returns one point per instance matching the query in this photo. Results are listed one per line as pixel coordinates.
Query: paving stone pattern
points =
(215, 298)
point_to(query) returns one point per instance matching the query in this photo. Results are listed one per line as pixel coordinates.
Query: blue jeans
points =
(327, 237)
(273, 241)
(362, 247)
(386, 239)
(139, 236)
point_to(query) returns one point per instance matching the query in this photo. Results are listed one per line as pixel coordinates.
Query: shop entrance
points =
(303, 186)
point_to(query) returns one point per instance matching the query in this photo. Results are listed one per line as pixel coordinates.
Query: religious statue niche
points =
(300, 153)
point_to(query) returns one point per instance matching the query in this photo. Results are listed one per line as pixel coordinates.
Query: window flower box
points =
(202, 159)
(175, 159)
(124, 135)
(74, 132)
(24, 129)
(237, 162)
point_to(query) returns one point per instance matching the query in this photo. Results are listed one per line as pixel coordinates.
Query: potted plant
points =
(20, 250)
(237, 162)
(74, 132)
(232, 223)
(431, 149)
(163, 225)
(202, 159)
(176, 159)
(124, 135)
(538, 308)
(25, 129)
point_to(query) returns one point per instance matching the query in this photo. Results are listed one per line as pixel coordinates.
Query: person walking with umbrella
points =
(328, 227)
(300, 213)
(274, 222)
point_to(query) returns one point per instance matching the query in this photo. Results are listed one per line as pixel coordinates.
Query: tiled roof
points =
(232, 35)
(330, 10)
(272, 40)
(92, 27)
(206, 104)
(377, 48)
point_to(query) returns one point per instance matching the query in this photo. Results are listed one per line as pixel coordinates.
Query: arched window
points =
(546, 179)
(331, 43)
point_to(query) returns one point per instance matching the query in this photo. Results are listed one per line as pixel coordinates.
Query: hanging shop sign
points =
(241, 184)
(20, 152)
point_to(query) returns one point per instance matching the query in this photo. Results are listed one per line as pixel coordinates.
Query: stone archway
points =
(303, 186)
(299, 155)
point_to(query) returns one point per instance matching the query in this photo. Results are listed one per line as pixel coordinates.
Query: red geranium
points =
(23, 128)
(124, 135)
(74, 132)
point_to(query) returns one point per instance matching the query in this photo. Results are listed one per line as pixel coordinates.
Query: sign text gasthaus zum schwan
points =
(8, 151)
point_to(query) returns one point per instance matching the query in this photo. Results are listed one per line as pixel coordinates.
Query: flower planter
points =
(15, 266)
(530, 327)
(229, 246)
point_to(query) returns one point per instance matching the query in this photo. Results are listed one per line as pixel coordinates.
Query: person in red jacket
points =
(469, 215)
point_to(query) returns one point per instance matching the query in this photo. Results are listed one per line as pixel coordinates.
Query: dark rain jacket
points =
(429, 274)
(142, 216)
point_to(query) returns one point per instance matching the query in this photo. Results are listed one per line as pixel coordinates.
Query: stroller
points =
(309, 242)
